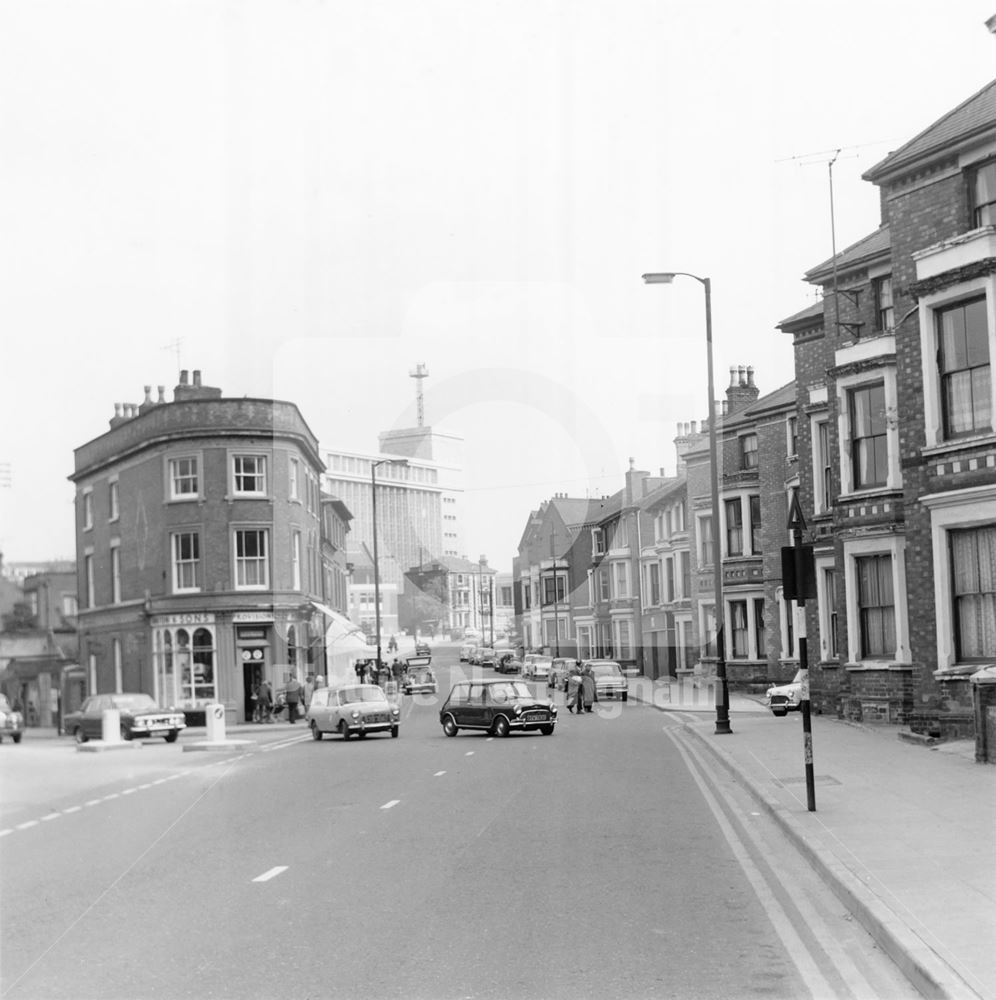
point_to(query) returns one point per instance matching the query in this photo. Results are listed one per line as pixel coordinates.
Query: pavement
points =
(902, 832)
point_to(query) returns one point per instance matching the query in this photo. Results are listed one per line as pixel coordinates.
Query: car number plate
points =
(535, 716)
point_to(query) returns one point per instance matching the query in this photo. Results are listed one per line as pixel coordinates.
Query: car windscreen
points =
(4, 704)
(508, 691)
(133, 702)
(605, 670)
(366, 693)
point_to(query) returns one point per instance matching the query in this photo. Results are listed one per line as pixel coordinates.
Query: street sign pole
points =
(804, 583)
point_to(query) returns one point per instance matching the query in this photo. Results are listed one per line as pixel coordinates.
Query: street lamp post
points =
(723, 702)
(373, 499)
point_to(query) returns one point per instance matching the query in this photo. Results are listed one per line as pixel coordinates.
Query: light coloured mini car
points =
(536, 667)
(352, 709)
(785, 698)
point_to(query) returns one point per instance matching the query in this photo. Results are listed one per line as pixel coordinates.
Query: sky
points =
(306, 199)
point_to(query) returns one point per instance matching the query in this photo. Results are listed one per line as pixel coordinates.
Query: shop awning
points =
(339, 628)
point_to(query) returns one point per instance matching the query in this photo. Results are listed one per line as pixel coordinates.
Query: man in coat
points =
(292, 695)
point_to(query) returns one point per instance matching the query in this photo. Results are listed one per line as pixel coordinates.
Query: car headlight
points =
(355, 715)
(553, 709)
(396, 711)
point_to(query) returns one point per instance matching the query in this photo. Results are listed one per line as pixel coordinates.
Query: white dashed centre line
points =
(469, 753)
(45, 819)
(72, 809)
(25, 826)
(92, 802)
(439, 774)
(3, 833)
(391, 804)
(272, 873)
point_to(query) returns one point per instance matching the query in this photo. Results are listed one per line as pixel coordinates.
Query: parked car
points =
(349, 709)
(11, 721)
(466, 651)
(785, 698)
(140, 717)
(559, 668)
(422, 648)
(610, 681)
(496, 706)
(419, 678)
(487, 657)
(508, 663)
(536, 666)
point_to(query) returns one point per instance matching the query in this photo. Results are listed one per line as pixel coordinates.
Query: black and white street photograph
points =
(497, 500)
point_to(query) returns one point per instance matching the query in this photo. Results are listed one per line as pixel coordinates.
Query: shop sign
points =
(190, 618)
(251, 633)
(262, 617)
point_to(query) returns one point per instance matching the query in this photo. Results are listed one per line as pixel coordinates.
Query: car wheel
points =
(394, 732)
(79, 735)
(363, 734)
(501, 727)
(625, 696)
(779, 712)
(16, 737)
(171, 736)
(450, 727)
(125, 734)
(344, 730)
(547, 730)
(316, 733)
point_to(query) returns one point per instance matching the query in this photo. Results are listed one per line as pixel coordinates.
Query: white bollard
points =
(215, 717)
(110, 725)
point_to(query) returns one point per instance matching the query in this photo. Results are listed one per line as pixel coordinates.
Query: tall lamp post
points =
(723, 703)
(373, 498)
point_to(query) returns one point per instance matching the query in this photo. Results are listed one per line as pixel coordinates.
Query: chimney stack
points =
(742, 391)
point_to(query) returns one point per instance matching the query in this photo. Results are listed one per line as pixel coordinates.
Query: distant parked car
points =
(610, 681)
(140, 717)
(422, 648)
(486, 657)
(785, 698)
(558, 671)
(536, 666)
(467, 650)
(11, 721)
(496, 706)
(508, 663)
(352, 709)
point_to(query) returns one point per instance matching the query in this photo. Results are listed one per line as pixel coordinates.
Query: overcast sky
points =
(312, 197)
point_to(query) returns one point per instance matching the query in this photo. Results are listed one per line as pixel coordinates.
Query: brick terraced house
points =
(896, 436)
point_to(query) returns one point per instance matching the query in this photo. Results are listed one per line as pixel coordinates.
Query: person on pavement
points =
(572, 690)
(292, 695)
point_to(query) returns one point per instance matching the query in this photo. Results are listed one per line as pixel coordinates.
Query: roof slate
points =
(974, 115)
(866, 248)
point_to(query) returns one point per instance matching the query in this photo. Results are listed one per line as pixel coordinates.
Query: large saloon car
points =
(496, 706)
(352, 710)
(785, 698)
(419, 677)
(11, 721)
(140, 718)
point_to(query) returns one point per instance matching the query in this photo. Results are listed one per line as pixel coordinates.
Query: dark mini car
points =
(11, 721)
(496, 706)
(140, 717)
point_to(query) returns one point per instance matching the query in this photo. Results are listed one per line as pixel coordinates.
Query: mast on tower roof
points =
(419, 373)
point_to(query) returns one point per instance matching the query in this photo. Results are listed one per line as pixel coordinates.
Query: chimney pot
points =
(750, 375)
(148, 394)
(733, 375)
(693, 426)
(197, 376)
(183, 376)
(162, 393)
(742, 372)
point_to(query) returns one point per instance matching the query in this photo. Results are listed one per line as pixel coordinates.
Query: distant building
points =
(204, 545)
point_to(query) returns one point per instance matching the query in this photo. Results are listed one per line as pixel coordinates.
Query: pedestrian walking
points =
(396, 670)
(292, 695)
(361, 670)
(309, 687)
(587, 692)
(572, 690)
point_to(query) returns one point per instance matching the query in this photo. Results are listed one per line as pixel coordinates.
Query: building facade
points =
(204, 545)
(895, 408)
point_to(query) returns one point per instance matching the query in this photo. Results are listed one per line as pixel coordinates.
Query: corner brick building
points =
(204, 547)
(895, 407)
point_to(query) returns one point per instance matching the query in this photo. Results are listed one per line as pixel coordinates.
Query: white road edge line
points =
(272, 873)
(391, 804)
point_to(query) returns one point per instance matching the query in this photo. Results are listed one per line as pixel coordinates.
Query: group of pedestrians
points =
(295, 697)
(581, 690)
